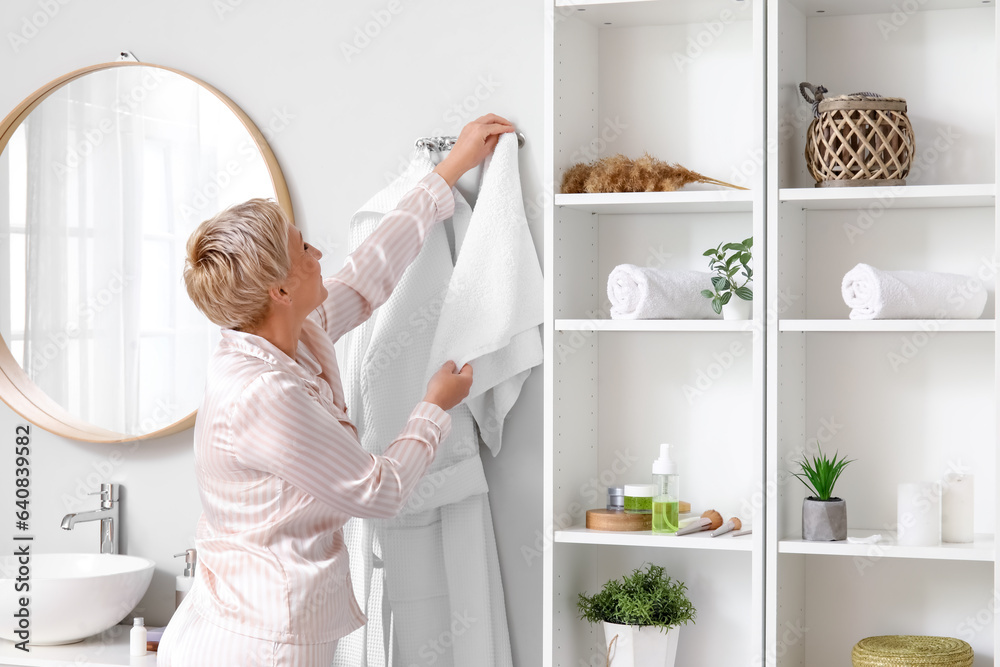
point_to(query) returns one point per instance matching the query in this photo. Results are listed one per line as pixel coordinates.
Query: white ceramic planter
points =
(641, 646)
(737, 309)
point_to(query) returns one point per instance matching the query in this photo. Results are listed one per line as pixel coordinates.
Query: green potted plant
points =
(642, 614)
(824, 517)
(730, 264)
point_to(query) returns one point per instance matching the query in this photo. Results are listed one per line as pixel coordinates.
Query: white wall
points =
(340, 124)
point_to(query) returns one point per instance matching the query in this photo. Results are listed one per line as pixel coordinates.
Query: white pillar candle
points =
(956, 507)
(919, 514)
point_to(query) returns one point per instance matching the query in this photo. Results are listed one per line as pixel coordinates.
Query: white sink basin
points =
(73, 596)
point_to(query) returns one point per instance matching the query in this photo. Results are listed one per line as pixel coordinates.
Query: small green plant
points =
(819, 474)
(646, 597)
(730, 263)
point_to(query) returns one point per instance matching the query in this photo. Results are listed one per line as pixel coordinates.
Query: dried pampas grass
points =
(618, 173)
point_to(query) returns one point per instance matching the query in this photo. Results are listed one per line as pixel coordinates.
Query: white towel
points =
(899, 295)
(639, 293)
(493, 308)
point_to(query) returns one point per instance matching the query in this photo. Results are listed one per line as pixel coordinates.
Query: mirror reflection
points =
(100, 187)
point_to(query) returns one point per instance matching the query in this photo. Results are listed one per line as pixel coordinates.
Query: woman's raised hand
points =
(475, 142)
(448, 388)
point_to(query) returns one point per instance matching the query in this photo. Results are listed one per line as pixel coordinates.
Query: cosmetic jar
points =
(616, 498)
(639, 498)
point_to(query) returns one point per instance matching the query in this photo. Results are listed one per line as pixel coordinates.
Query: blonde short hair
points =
(233, 259)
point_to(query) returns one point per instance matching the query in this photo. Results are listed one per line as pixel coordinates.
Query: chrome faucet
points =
(108, 514)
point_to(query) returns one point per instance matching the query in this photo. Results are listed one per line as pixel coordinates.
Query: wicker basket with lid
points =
(911, 650)
(858, 139)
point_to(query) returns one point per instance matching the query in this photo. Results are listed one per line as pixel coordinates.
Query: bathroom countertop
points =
(108, 649)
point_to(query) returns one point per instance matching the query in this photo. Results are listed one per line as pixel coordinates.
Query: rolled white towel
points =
(900, 295)
(639, 293)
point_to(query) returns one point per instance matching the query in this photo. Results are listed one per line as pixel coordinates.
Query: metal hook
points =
(446, 143)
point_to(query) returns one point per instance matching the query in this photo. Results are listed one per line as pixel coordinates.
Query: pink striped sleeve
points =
(278, 427)
(372, 271)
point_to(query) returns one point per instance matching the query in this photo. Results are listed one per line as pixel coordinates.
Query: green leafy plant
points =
(820, 473)
(730, 262)
(646, 597)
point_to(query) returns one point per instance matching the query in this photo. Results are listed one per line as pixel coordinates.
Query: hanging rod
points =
(446, 143)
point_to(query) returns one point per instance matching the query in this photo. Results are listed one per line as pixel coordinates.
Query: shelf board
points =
(646, 538)
(855, 7)
(690, 201)
(631, 13)
(982, 549)
(717, 326)
(906, 196)
(887, 325)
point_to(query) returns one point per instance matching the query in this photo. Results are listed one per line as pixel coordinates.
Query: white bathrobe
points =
(429, 580)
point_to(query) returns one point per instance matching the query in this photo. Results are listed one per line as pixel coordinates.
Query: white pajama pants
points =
(191, 640)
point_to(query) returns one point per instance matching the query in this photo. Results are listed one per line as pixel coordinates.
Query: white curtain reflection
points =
(104, 182)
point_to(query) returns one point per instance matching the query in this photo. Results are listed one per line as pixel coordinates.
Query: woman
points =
(280, 469)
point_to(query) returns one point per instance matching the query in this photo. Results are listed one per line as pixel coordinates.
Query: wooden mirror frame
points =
(19, 391)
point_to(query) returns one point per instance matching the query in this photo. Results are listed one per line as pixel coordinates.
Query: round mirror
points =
(104, 173)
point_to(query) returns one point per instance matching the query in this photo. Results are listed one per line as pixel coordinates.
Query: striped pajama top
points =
(280, 469)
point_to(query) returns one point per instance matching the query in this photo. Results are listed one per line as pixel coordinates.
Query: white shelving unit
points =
(907, 399)
(623, 77)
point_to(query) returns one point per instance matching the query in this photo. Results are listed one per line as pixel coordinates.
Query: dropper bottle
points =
(666, 493)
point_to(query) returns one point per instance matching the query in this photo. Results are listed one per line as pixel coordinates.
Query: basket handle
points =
(817, 95)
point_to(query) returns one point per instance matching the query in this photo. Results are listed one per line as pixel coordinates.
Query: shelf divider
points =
(646, 538)
(708, 326)
(687, 201)
(903, 196)
(981, 549)
(858, 326)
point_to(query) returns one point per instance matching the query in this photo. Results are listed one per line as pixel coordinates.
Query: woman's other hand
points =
(476, 141)
(448, 388)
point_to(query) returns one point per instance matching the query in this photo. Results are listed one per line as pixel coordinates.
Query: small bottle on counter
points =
(137, 638)
(666, 494)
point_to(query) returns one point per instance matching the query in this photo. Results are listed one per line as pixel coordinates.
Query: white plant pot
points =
(640, 646)
(737, 309)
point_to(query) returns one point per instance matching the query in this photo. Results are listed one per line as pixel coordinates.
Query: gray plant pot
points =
(824, 520)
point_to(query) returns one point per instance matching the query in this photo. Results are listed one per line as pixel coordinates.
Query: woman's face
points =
(305, 281)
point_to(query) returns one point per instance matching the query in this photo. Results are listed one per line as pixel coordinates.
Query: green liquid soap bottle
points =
(666, 494)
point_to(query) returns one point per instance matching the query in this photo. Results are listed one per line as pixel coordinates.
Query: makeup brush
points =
(709, 520)
(745, 531)
(734, 523)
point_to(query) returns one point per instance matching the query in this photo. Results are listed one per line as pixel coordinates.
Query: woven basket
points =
(910, 650)
(858, 140)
